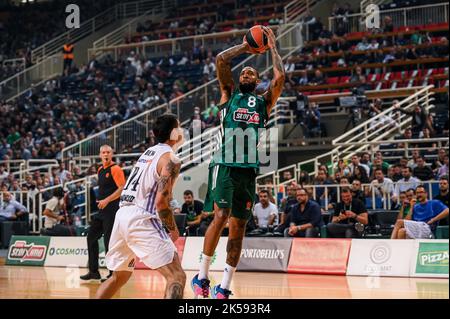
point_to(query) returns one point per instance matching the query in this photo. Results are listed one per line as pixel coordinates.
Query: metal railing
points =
(135, 130)
(296, 8)
(350, 142)
(119, 11)
(402, 17)
(31, 77)
(160, 48)
(331, 193)
(146, 9)
(364, 3)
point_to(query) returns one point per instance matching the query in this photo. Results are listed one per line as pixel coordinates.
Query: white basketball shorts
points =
(138, 234)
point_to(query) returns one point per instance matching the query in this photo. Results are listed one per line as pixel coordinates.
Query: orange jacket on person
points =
(68, 51)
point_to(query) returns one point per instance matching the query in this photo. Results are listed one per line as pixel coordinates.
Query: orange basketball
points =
(256, 38)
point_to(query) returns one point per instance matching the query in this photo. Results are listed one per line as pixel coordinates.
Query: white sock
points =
(227, 277)
(204, 267)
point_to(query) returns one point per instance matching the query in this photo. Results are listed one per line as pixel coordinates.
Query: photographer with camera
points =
(312, 121)
(350, 216)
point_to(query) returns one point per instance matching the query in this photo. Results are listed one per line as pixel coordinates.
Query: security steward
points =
(68, 55)
(111, 181)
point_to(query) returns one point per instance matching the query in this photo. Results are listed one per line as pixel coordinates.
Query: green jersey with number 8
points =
(241, 118)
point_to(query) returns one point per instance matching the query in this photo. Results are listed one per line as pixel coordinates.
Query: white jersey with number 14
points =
(141, 186)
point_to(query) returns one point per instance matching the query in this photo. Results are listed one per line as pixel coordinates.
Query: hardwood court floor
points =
(50, 282)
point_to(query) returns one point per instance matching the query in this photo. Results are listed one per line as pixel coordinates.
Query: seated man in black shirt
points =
(304, 219)
(288, 202)
(443, 196)
(348, 216)
(195, 217)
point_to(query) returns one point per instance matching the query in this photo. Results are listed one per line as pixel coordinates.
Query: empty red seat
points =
(332, 91)
(333, 80)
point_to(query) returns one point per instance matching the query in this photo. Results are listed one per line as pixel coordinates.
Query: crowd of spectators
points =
(189, 20)
(22, 30)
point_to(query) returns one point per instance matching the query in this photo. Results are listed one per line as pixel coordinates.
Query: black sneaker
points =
(107, 277)
(91, 276)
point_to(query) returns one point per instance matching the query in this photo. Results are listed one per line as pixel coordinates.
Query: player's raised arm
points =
(223, 64)
(169, 169)
(277, 83)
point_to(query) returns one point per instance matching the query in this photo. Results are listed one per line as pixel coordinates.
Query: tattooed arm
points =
(168, 169)
(277, 83)
(223, 63)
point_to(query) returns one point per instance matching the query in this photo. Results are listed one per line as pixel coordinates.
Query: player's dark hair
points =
(443, 178)
(163, 127)
(188, 192)
(265, 191)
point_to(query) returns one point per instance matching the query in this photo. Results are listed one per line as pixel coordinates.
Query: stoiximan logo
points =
(22, 252)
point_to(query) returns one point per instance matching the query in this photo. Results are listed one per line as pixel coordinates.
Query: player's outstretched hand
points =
(272, 40)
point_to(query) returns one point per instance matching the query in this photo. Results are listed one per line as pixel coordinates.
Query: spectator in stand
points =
(194, 213)
(438, 163)
(303, 80)
(265, 212)
(312, 121)
(322, 192)
(318, 79)
(349, 218)
(11, 209)
(56, 223)
(419, 118)
(357, 170)
(305, 218)
(289, 201)
(443, 196)
(443, 170)
(396, 173)
(407, 182)
(414, 157)
(422, 171)
(382, 186)
(423, 220)
(363, 45)
(387, 25)
(404, 205)
(357, 191)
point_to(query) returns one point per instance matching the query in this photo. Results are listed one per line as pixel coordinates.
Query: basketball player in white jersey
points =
(139, 227)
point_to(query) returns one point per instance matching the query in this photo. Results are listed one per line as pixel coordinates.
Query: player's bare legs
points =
(175, 277)
(235, 238)
(108, 288)
(215, 229)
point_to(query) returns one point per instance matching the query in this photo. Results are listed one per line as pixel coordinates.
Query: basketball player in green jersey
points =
(231, 182)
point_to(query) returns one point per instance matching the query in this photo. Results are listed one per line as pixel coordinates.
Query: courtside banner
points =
(27, 250)
(319, 256)
(265, 254)
(380, 257)
(64, 251)
(180, 247)
(192, 255)
(430, 258)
